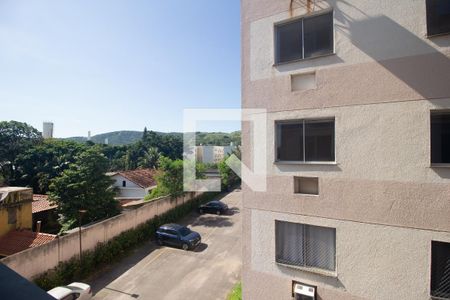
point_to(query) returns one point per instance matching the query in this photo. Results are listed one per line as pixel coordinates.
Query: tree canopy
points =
(227, 176)
(45, 161)
(84, 186)
(15, 138)
(170, 178)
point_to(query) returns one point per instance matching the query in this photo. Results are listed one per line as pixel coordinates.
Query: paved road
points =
(209, 272)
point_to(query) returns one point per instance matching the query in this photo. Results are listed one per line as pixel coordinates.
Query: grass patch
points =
(115, 249)
(236, 292)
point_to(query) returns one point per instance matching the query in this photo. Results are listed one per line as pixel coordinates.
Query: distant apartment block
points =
(358, 196)
(47, 130)
(212, 154)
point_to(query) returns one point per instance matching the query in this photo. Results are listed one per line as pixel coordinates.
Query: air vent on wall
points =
(304, 292)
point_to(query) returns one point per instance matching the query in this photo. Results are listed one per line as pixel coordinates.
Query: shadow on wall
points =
(284, 168)
(323, 61)
(442, 172)
(389, 39)
(293, 273)
(311, 6)
(383, 39)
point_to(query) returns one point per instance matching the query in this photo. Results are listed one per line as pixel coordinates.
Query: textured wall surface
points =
(372, 261)
(383, 196)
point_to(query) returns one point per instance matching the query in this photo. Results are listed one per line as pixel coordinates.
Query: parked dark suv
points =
(178, 236)
(213, 207)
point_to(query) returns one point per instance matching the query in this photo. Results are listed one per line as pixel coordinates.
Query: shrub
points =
(236, 292)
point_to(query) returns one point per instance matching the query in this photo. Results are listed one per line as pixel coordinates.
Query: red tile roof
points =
(143, 177)
(37, 197)
(41, 203)
(16, 241)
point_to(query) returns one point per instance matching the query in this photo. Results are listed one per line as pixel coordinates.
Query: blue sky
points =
(105, 65)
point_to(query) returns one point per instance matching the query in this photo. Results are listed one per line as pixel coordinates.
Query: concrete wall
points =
(395, 30)
(382, 160)
(380, 38)
(382, 194)
(35, 261)
(372, 261)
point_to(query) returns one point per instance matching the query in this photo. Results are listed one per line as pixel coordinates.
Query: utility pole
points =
(80, 214)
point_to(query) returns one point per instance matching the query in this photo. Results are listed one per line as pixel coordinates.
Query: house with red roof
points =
(44, 211)
(16, 221)
(133, 184)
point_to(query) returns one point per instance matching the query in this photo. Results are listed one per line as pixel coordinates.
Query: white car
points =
(75, 290)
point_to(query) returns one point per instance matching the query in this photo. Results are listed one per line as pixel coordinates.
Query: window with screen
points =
(305, 141)
(440, 270)
(438, 17)
(440, 137)
(303, 38)
(305, 245)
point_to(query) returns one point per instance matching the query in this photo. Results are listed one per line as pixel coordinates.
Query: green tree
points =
(169, 145)
(116, 156)
(134, 153)
(84, 186)
(15, 139)
(43, 162)
(170, 178)
(227, 176)
(150, 159)
(145, 152)
(144, 135)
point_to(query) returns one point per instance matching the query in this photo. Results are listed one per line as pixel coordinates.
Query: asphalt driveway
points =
(208, 272)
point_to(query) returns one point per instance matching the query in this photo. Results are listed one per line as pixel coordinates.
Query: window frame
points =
(435, 112)
(12, 215)
(304, 161)
(297, 185)
(297, 19)
(427, 22)
(431, 267)
(305, 267)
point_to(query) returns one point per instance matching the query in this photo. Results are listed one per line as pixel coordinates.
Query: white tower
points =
(47, 130)
(89, 136)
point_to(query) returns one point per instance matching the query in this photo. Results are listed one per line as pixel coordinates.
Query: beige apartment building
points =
(357, 94)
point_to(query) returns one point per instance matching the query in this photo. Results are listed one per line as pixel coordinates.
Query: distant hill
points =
(125, 137)
(218, 138)
(114, 138)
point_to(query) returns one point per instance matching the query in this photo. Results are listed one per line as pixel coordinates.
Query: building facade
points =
(47, 130)
(212, 154)
(357, 95)
(15, 209)
(133, 184)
